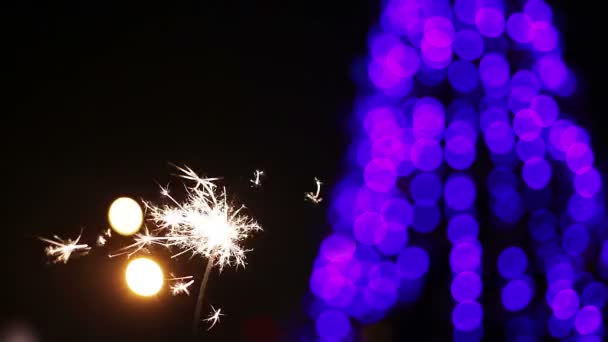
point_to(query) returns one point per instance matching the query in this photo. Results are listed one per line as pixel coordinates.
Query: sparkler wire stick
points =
(201, 295)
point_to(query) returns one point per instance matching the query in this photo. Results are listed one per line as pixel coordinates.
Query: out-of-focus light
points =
(492, 115)
(527, 124)
(439, 31)
(579, 158)
(575, 239)
(333, 325)
(466, 286)
(380, 175)
(426, 188)
(460, 152)
(413, 263)
(465, 10)
(391, 238)
(494, 70)
(588, 320)
(516, 295)
(595, 294)
(499, 137)
(459, 192)
(536, 173)
(546, 108)
(530, 149)
(144, 277)
(467, 316)
(560, 328)
(545, 37)
(436, 57)
(588, 184)
(397, 210)
(462, 228)
(512, 263)
(463, 76)
(465, 257)
(426, 217)
(427, 154)
(428, 118)
(520, 28)
(490, 21)
(366, 227)
(125, 216)
(581, 209)
(565, 304)
(338, 248)
(468, 45)
(552, 71)
(538, 10)
(542, 225)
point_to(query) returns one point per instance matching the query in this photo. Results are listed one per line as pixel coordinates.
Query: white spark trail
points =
(314, 197)
(214, 318)
(256, 182)
(61, 250)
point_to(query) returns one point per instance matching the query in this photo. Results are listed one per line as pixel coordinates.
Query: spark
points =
(108, 233)
(61, 250)
(181, 285)
(314, 197)
(204, 224)
(257, 181)
(101, 240)
(214, 318)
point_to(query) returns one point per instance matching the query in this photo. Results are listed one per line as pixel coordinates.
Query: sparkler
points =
(314, 196)
(101, 241)
(256, 182)
(181, 286)
(214, 318)
(61, 250)
(205, 224)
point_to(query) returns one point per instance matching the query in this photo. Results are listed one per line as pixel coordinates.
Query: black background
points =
(101, 96)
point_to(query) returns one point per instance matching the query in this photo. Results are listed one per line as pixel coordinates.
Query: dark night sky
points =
(101, 96)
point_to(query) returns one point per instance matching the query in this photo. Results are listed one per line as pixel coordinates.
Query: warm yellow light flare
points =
(125, 216)
(144, 277)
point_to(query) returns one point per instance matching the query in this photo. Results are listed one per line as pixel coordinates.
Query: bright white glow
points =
(125, 216)
(144, 277)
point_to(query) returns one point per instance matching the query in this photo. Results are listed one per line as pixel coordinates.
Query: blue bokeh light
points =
(588, 320)
(530, 149)
(463, 76)
(333, 325)
(527, 124)
(459, 192)
(516, 295)
(462, 228)
(546, 108)
(439, 31)
(596, 294)
(468, 45)
(467, 316)
(413, 263)
(538, 10)
(465, 256)
(397, 210)
(426, 188)
(366, 227)
(427, 217)
(338, 248)
(466, 286)
(565, 304)
(545, 37)
(512, 263)
(588, 184)
(579, 158)
(391, 238)
(536, 172)
(494, 70)
(520, 28)
(490, 21)
(427, 154)
(560, 328)
(428, 118)
(499, 137)
(575, 239)
(380, 175)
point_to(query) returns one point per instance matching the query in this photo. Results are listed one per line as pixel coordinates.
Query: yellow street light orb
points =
(144, 277)
(125, 216)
